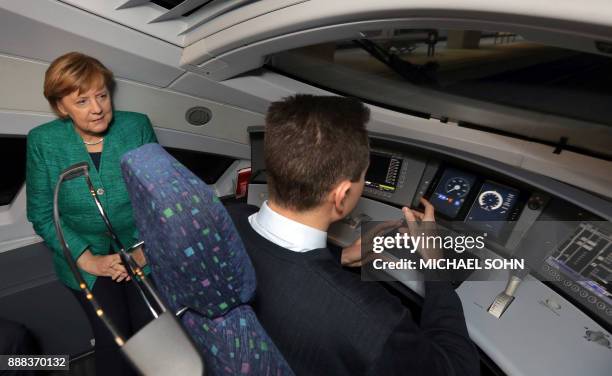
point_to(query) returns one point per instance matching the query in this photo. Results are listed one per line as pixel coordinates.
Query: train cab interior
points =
(493, 110)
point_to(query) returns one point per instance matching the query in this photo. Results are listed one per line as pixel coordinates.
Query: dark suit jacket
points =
(326, 321)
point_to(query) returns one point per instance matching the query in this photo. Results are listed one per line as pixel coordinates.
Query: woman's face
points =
(91, 112)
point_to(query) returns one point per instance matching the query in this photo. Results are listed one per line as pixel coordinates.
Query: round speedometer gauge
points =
(490, 200)
(457, 187)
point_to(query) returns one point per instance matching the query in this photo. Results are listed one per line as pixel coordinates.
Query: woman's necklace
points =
(93, 143)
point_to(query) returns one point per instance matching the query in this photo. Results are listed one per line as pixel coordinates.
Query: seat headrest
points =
(197, 258)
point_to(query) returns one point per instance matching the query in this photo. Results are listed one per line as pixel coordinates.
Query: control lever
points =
(505, 298)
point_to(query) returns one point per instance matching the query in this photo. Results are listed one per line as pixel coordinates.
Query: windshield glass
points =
(494, 80)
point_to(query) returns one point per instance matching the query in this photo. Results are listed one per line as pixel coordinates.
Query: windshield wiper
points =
(416, 74)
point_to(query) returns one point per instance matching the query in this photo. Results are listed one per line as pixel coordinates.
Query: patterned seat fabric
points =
(198, 261)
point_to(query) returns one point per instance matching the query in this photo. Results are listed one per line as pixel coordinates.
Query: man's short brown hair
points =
(311, 144)
(71, 72)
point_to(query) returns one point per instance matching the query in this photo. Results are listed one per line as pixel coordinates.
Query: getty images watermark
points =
(435, 246)
(485, 251)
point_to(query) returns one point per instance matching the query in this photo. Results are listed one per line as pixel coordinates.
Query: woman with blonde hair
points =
(78, 88)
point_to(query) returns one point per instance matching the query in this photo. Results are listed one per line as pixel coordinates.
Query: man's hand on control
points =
(422, 223)
(414, 216)
(352, 255)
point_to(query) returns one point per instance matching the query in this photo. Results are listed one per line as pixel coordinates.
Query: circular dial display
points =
(457, 187)
(490, 200)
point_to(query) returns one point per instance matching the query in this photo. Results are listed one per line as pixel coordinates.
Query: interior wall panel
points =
(201, 87)
(45, 29)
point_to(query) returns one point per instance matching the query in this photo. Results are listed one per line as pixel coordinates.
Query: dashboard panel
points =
(470, 197)
(460, 195)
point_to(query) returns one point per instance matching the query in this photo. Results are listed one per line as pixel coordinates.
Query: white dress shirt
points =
(286, 232)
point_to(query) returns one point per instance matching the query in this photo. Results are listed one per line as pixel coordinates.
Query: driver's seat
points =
(199, 263)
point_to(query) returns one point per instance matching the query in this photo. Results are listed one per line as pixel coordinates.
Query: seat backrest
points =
(198, 261)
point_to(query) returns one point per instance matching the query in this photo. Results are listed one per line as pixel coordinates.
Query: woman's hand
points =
(103, 266)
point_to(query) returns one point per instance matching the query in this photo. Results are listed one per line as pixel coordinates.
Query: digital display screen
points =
(383, 172)
(586, 255)
(492, 207)
(449, 196)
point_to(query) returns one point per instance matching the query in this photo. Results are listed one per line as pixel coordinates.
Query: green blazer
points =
(54, 146)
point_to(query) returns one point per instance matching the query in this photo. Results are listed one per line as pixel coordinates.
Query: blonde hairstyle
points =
(71, 72)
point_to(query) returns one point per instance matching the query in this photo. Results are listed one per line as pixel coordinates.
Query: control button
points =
(601, 305)
(558, 277)
(603, 341)
(593, 335)
(584, 294)
(609, 311)
(100, 191)
(597, 337)
(535, 202)
(592, 299)
(567, 283)
(575, 288)
(553, 304)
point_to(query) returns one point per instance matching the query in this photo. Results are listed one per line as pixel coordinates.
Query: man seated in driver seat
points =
(324, 319)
